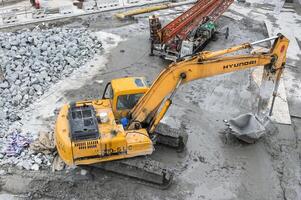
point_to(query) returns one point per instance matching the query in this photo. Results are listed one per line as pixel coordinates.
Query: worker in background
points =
(152, 47)
(155, 26)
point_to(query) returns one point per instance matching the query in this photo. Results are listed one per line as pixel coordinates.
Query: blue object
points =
(139, 82)
(124, 121)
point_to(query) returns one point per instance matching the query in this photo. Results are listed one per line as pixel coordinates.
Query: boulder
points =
(4, 85)
(35, 167)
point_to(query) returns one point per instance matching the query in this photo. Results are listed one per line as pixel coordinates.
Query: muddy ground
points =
(213, 166)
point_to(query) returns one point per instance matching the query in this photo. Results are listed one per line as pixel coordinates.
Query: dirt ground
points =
(213, 166)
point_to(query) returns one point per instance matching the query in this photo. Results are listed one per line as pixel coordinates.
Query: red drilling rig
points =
(189, 32)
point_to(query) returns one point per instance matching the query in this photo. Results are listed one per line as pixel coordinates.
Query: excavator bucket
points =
(246, 127)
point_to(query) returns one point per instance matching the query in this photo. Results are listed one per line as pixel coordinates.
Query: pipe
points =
(150, 9)
(264, 40)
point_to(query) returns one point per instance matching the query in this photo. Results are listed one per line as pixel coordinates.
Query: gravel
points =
(83, 172)
(35, 167)
(28, 160)
(30, 62)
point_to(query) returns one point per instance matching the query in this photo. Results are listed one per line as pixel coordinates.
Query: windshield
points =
(127, 101)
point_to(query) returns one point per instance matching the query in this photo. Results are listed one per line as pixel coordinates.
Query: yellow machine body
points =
(113, 142)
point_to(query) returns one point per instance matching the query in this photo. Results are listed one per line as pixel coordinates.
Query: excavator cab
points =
(124, 93)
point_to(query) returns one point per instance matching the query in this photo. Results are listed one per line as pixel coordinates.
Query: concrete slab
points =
(281, 111)
(286, 132)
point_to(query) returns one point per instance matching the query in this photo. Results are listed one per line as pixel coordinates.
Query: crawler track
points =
(148, 171)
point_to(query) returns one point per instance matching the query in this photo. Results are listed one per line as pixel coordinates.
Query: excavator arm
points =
(202, 65)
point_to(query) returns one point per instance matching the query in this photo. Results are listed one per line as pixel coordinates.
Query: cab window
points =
(127, 101)
(108, 93)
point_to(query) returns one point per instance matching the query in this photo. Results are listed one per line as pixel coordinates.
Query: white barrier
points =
(9, 18)
(38, 13)
(103, 4)
(64, 10)
(89, 5)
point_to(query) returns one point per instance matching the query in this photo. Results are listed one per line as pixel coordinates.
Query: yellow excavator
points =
(107, 132)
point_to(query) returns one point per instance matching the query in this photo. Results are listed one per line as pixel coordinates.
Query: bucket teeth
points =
(246, 127)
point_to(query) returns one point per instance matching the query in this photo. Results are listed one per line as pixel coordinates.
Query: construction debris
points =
(44, 143)
(57, 164)
(14, 150)
(16, 144)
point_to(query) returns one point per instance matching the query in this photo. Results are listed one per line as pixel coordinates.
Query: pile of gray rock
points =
(28, 161)
(32, 60)
(23, 151)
